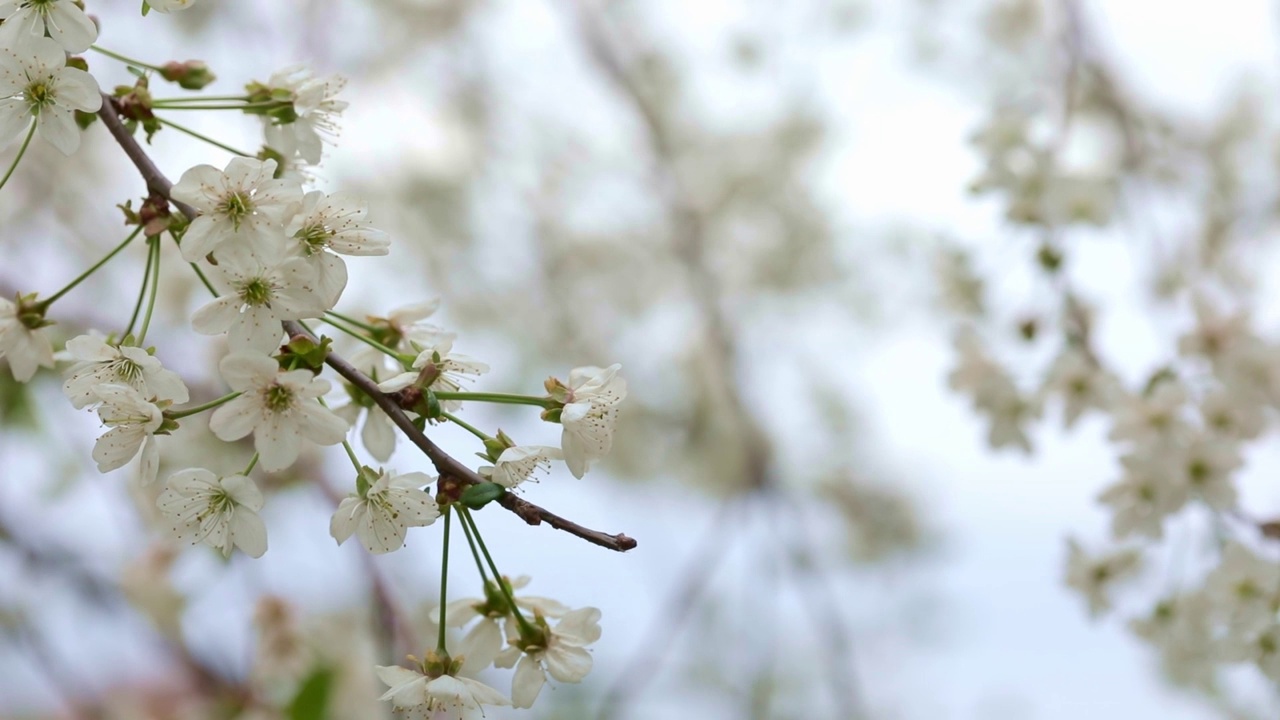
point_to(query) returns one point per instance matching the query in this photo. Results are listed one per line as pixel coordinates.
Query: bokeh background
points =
(755, 207)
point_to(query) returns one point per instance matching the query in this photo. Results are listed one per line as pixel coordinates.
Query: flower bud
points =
(190, 75)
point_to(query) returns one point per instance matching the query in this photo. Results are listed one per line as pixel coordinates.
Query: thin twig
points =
(451, 468)
(444, 463)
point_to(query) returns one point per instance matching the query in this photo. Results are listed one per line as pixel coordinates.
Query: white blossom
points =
(316, 110)
(1096, 576)
(1206, 464)
(563, 656)
(279, 408)
(1080, 382)
(455, 697)
(993, 392)
(1153, 417)
(98, 363)
(133, 420)
(1180, 629)
(1244, 589)
(445, 369)
(36, 84)
(402, 329)
(327, 224)
(259, 291)
(25, 349)
(589, 415)
(27, 21)
(243, 202)
(517, 464)
(1144, 497)
(389, 507)
(1231, 414)
(219, 512)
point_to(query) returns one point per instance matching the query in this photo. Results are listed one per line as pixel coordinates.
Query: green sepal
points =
(365, 479)
(303, 353)
(433, 405)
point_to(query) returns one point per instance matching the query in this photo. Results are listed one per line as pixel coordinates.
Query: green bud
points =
(190, 75)
(477, 496)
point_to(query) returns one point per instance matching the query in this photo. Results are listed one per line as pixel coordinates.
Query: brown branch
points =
(451, 468)
(446, 465)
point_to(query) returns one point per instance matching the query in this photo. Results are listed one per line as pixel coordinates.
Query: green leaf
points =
(312, 700)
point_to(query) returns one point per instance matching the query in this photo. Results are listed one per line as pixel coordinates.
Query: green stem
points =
(202, 98)
(162, 105)
(199, 136)
(179, 414)
(363, 338)
(444, 580)
(21, 151)
(142, 292)
(465, 425)
(44, 304)
(154, 291)
(475, 553)
(253, 461)
(204, 280)
(125, 59)
(352, 455)
(501, 398)
(506, 592)
(362, 325)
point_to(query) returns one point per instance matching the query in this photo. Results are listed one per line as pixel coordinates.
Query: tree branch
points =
(446, 465)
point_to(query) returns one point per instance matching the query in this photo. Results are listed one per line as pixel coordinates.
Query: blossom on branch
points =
(219, 512)
(590, 412)
(517, 464)
(98, 363)
(559, 651)
(243, 203)
(437, 368)
(259, 291)
(133, 420)
(36, 84)
(27, 21)
(24, 347)
(336, 224)
(312, 118)
(450, 696)
(384, 511)
(281, 409)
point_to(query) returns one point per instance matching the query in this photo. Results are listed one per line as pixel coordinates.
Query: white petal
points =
(527, 682)
(248, 532)
(217, 316)
(346, 518)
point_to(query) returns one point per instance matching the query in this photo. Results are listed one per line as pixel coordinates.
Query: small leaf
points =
(312, 700)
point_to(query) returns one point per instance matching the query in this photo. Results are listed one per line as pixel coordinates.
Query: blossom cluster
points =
(1180, 438)
(271, 252)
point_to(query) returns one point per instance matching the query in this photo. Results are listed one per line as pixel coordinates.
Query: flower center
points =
(39, 95)
(128, 371)
(219, 502)
(236, 207)
(315, 238)
(278, 398)
(256, 292)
